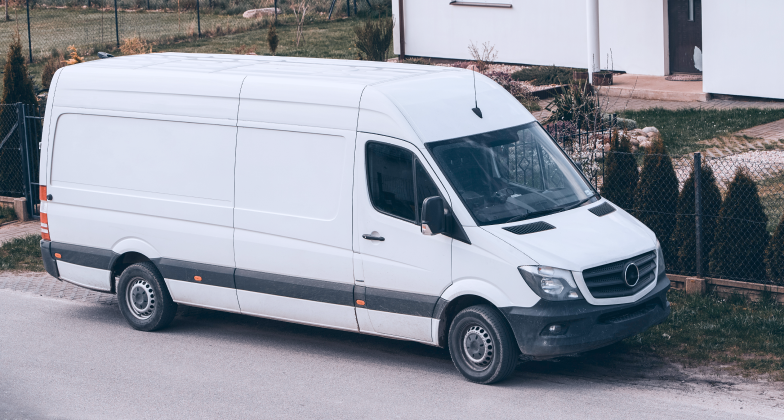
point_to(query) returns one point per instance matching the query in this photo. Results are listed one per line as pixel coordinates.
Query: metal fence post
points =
(348, 8)
(21, 121)
(198, 18)
(29, 40)
(116, 25)
(698, 211)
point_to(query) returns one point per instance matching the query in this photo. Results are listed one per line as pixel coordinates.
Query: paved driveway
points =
(69, 356)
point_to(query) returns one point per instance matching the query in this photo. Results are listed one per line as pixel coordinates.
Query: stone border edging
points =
(725, 288)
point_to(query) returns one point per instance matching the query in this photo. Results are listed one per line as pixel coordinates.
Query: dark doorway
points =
(685, 20)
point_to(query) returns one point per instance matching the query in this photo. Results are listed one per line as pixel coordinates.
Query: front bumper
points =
(587, 326)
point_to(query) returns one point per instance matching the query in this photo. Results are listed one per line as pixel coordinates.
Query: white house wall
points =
(743, 51)
(543, 32)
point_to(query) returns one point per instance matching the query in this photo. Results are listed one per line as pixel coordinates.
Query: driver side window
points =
(397, 181)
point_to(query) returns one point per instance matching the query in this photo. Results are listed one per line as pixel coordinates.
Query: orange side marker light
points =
(360, 302)
(42, 192)
(197, 278)
(57, 255)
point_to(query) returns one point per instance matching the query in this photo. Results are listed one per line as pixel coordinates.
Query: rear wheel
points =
(144, 300)
(482, 345)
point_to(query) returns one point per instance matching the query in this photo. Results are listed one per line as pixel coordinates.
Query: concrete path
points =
(19, 229)
(70, 356)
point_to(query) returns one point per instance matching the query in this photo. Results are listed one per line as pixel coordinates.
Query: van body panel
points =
(130, 185)
(400, 325)
(302, 101)
(379, 115)
(293, 212)
(581, 240)
(88, 277)
(438, 105)
(149, 90)
(298, 310)
(488, 268)
(203, 295)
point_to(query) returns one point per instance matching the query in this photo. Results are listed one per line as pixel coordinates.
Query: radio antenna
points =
(476, 109)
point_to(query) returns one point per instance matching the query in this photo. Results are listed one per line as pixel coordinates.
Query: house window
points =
(480, 3)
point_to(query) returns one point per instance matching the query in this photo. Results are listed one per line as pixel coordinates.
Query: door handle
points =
(373, 238)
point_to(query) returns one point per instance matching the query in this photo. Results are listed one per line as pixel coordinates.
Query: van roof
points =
(411, 102)
(346, 71)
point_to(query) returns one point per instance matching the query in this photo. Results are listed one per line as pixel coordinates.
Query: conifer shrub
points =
(17, 87)
(741, 232)
(373, 38)
(656, 196)
(774, 255)
(620, 173)
(272, 38)
(684, 239)
(544, 75)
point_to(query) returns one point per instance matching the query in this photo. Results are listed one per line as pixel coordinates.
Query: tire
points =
(482, 345)
(144, 300)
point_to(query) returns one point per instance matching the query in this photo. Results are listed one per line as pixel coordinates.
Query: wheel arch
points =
(128, 251)
(461, 295)
(122, 261)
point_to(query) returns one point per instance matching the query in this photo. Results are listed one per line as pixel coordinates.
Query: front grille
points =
(607, 281)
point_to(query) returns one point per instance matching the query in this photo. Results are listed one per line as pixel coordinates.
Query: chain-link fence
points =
(11, 183)
(714, 216)
(20, 150)
(49, 27)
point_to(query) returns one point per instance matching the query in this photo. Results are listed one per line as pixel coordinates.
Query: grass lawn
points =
(22, 254)
(731, 334)
(7, 214)
(683, 129)
(323, 39)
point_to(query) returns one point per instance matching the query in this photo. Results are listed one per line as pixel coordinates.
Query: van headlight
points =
(550, 283)
(659, 260)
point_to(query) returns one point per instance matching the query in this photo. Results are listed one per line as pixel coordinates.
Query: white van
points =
(413, 202)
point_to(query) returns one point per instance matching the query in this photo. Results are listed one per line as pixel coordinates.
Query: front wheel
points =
(144, 300)
(482, 345)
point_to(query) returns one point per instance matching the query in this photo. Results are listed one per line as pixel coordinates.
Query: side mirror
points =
(433, 219)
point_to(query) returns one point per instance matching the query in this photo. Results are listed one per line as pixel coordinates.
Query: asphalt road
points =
(67, 359)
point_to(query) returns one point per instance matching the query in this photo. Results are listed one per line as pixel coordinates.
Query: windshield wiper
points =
(534, 214)
(577, 204)
(546, 212)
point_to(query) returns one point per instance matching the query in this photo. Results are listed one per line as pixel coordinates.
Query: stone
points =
(695, 286)
(607, 147)
(645, 144)
(647, 130)
(20, 208)
(641, 139)
(257, 13)
(634, 141)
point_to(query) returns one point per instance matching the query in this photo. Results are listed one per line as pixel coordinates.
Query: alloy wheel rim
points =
(141, 298)
(478, 347)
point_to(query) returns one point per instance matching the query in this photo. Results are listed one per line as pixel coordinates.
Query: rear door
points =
(403, 274)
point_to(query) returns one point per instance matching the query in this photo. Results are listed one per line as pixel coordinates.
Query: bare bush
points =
(299, 16)
(484, 57)
(134, 46)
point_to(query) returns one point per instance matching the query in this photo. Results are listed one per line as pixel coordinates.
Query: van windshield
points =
(512, 174)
